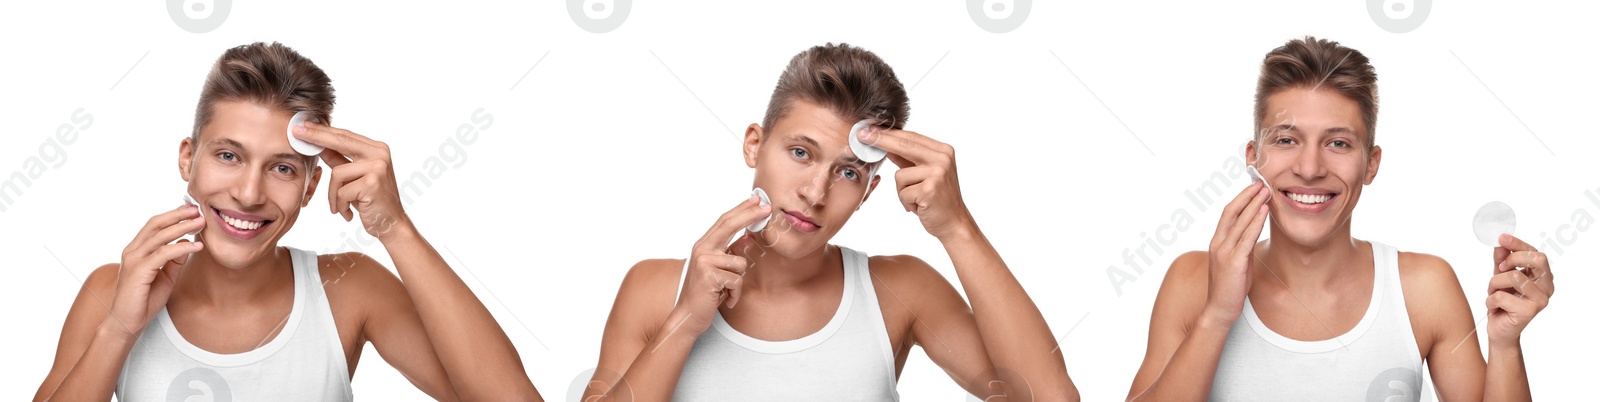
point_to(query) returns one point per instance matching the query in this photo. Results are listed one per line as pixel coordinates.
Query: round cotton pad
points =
(187, 199)
(304, 148)
(866, 153)
(1256, 175)
(758, 226)
(1493, 219)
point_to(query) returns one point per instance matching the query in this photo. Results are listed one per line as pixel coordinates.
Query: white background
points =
(1077, 136)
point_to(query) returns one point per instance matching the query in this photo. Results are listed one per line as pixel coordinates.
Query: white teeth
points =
(1310, 199)
(241, 224)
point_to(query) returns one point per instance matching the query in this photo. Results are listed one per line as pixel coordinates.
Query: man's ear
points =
(1250, 154)
(752, 144)
(1373, 158)
(186, 158)
(311, 188)
(870, 187)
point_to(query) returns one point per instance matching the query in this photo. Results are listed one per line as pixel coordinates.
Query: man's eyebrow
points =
(228, 142)
(805, 139)
(285, 156)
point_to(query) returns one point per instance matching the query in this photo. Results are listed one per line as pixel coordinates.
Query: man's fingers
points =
(1239, 220)
(343, 141)
(171, 252)
(1500, 254)
(347, 196)
(161, 221)
(182, 259)
(1521, 309)
(343, 176)
(333, 158)
(1252, 232)
(911, 197)
(902, 163)
(731, 263)
(747, 212)
(909, 146)
(167, 235)
(176, 266)
(907, 177)
(731, 285)
(1514, 244)
(1232, 210)
(1524, 259)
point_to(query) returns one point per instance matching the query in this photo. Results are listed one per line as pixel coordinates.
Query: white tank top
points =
(849, 359)
(1377, 360)
(304, 362)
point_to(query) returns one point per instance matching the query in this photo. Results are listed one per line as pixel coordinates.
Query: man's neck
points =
(771, 271)
(1314, 265)
(206, 281)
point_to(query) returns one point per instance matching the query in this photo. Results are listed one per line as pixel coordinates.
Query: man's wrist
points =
(115, 332)
(399, 231)
(1510, 348)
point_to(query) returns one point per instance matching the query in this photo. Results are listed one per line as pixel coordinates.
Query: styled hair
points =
(850, 81)
(273, 76)
(1320, 63)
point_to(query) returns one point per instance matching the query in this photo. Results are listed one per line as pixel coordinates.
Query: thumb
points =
(1500, 255)
(174, 267)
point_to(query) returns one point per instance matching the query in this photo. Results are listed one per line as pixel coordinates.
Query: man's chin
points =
(238, 256)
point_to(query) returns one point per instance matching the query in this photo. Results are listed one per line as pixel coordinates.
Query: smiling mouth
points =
(1309, 199)
(241, 224)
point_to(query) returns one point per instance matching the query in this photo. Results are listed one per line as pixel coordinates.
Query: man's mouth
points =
(241, 225)
(1308, 198)
(801, 222)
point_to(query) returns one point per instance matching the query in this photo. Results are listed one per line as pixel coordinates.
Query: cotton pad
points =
(187, 199)
(866, 153)
(758, 226)
(304, 148)
(1493, 219)
(1256, 175)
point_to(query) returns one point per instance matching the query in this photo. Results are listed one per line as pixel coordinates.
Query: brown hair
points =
(272, 75)
(1315, 63)
(850, 81)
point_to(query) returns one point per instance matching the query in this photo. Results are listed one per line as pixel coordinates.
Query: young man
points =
(782, 315)
(233, 315)
(1312, 313)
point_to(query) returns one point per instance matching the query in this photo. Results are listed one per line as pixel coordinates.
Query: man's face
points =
(1313, 150)
(805, 165)
(250, 184)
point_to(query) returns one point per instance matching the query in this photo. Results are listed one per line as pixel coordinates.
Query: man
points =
(782, 315)
(1313, 313)
(233, 315)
